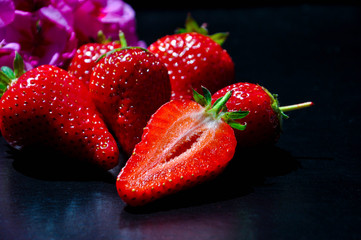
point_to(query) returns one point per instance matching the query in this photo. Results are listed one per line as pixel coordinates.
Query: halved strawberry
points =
(183, 144)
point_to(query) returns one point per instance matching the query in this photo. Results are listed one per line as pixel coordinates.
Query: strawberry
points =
(183, 144)
(264, 121)
(82, 64)
(128, 85)
(194, 59)
(47, 107)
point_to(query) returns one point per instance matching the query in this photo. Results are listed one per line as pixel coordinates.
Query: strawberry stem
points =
(123, 41)
(218, 106)
(295, 106)
(124, 45)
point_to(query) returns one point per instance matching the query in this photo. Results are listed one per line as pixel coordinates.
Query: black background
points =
(306, 187)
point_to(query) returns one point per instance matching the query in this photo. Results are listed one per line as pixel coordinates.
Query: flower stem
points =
(295, 106)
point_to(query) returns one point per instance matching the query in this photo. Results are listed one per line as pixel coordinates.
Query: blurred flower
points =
(7, 12)
(50, 31)
(42, 36)
(110, 16)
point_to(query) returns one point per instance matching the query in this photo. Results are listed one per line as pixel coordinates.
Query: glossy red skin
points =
(82, 64)
(194, 60)
(48, 107)
(128, 87)
(180, 148)
(263, 123)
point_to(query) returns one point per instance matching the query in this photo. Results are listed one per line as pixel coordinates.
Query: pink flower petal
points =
(7, 12)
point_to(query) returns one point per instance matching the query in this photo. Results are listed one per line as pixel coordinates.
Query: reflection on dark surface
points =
(48, 201)
(46, 164)
(247, 169)
(224, 218)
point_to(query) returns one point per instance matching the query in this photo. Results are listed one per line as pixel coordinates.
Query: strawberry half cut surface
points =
(184, 143)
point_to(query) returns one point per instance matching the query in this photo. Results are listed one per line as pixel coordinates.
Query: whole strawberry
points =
(264, 121)
(194, 59)
(128, 86)
(47, 107)
(184, 143)
(82, 64)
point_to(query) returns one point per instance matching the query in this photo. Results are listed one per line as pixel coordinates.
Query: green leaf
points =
(199, 98)
(221, 102)
(219, 38)
(220, 105)
(4, 78)
(18, 65)
(8, 72)
(101, 38)
(207, 95)
(192, 26)
(237, 125)
(123, 41)
(3, 86)
(235, 115)
(216, 102)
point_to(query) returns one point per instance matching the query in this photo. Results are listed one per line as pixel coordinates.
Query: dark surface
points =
(307, 187)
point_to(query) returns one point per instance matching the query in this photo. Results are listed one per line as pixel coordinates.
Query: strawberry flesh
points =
(181, 146)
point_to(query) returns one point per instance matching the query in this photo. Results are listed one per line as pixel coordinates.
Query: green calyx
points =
(8, 76)
(124, 45)
(280, 110)
(192, 26)
(276, 105)
(219, 110)
(101, 38)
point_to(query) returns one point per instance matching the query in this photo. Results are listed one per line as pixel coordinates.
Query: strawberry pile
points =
(114, 97)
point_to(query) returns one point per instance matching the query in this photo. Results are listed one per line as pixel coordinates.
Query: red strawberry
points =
(264, 120)
(128, 86)
(46, 106)
(183, 144)
(194, 60)
(82, 64)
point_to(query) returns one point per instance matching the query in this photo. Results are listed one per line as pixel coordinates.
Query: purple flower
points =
(110, 16)
(50, 31)
(43, 36)
(7, 12)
